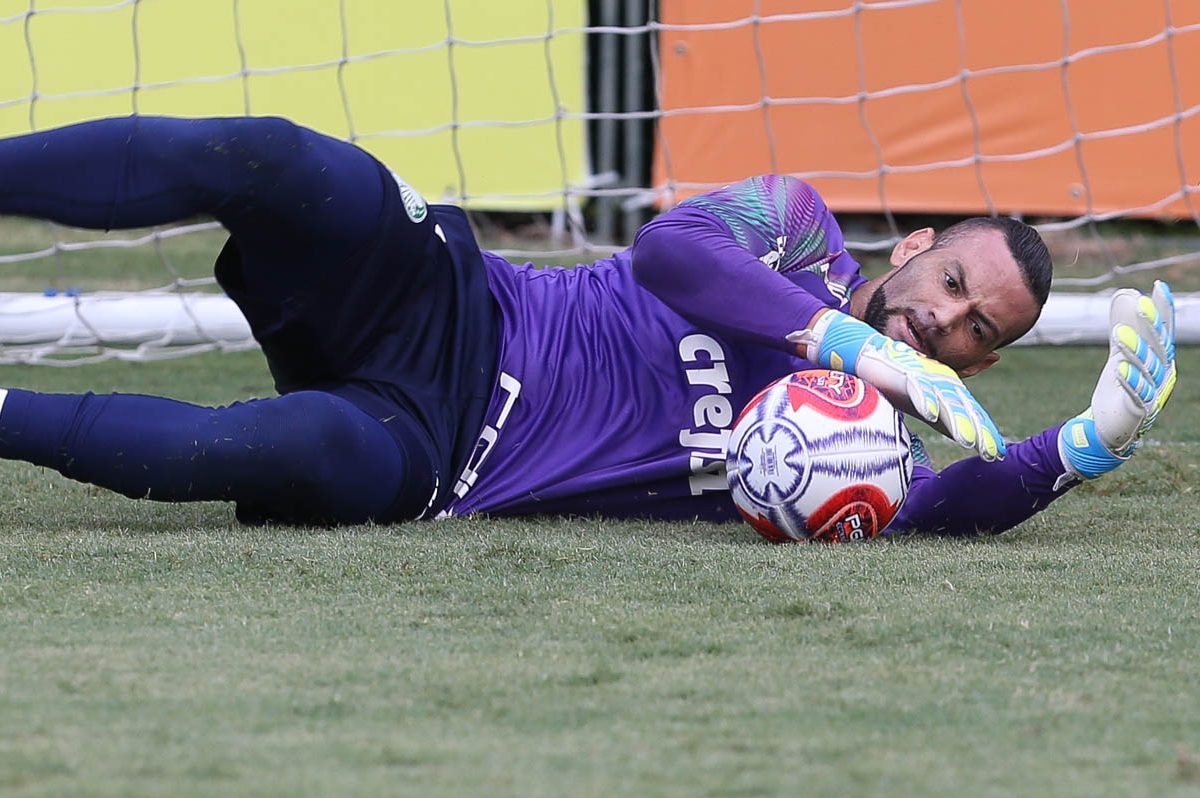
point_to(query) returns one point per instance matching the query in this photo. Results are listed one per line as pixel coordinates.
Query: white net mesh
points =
(564, 124)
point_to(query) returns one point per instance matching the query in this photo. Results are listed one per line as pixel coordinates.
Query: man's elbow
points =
(650, 256)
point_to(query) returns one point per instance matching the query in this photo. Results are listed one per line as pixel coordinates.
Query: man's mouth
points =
(915, 339)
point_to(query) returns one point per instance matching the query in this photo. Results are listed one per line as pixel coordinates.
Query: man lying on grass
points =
(421, 377)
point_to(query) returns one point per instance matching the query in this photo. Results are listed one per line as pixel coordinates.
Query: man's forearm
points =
(972, 496)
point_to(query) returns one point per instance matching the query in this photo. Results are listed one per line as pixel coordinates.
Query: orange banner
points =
(938, 106)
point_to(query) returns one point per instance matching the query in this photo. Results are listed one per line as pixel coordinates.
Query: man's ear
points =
(988, 361)
(912, 244)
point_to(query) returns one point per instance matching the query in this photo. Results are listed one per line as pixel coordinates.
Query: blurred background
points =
(563, 125)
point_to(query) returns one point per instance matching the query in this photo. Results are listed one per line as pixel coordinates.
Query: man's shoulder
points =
(764, 185)
(785, 203)
(784, 211)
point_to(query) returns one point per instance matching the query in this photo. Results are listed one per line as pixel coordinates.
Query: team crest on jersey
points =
(414, 203)
(774, 259)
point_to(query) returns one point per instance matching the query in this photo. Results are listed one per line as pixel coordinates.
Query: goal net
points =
(562, 125)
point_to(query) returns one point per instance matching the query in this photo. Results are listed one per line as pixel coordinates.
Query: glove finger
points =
(1135, 336)
(1123, 309)
(956, 418)
(1157, 404)
(1164, 300)
(1164, 394)
(1138, 311)
(924, 400)
(1164, 303)
(1126, 369)
(1127, 344)
(1152, 326)
(991, 443)
(1136, 383)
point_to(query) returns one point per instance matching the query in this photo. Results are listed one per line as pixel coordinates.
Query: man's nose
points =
(946, 316)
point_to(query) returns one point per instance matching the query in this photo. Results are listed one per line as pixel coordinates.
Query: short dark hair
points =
(1024, 244)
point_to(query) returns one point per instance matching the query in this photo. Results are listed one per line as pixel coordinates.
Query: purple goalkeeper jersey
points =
(618, 382)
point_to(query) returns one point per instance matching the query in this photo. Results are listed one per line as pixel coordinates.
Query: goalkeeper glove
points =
(914, 383)
(1134, 386)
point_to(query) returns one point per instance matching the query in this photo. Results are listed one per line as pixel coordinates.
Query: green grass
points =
(150, 649)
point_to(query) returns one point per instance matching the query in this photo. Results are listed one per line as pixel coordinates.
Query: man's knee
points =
(332, 461)
(268, 142)
(307, 436)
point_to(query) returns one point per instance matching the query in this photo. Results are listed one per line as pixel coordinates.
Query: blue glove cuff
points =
(1082, 451)
(842, 341)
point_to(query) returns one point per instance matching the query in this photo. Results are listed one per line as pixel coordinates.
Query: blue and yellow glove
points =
(912, 382)
(1134, 385)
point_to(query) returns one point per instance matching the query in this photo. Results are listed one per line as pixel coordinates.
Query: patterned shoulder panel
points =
(784, 223)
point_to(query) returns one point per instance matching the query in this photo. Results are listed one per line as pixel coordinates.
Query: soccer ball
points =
(819, 455)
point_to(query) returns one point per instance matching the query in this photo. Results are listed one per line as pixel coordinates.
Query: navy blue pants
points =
(374, 316)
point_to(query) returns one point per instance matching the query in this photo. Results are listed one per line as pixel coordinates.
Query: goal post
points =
(581, 118)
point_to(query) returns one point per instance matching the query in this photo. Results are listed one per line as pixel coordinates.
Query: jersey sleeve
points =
(753, 261)
(973, 496)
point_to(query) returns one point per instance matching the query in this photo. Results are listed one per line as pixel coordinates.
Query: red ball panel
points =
(833, 394)
(764, 527)
(856, 512)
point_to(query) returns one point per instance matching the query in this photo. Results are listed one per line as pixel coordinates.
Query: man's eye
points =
(976, 330)
(951, 283)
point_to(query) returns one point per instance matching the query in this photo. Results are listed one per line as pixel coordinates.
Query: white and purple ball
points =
(819, 455)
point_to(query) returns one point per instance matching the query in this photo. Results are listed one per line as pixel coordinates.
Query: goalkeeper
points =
(420, 377)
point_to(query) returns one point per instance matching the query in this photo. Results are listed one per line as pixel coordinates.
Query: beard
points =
(877, 312)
